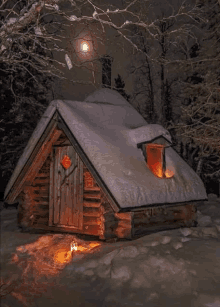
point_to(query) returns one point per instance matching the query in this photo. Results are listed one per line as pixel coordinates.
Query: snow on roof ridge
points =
(148, 132)
(106, 95)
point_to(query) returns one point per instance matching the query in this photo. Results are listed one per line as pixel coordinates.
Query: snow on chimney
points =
(106, 61)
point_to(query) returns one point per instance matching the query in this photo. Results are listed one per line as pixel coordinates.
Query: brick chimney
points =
(106, 61)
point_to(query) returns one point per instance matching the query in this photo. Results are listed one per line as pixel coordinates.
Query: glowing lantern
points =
(73, 246)
(66, 162)
(85, 46)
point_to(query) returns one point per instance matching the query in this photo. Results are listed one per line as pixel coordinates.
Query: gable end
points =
(62, 125)
(36, 159)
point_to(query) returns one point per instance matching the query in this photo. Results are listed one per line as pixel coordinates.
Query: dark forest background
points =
(175, 69)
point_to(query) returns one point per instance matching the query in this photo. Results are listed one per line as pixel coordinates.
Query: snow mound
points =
(204, 220)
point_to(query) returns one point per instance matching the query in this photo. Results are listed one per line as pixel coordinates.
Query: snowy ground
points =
(171, 268)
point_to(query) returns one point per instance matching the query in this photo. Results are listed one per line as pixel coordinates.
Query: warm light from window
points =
(155, 155)
(156, 161)
(66, 162)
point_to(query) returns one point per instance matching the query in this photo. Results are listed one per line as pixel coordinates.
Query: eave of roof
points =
(104, 132)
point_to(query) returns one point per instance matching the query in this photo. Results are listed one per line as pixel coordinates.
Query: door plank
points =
(68, 189)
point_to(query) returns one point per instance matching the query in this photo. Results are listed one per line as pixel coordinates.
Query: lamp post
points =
(106, 61)
(86, 49)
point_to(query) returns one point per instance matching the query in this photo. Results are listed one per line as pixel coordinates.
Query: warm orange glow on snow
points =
(42, 260)
(63, 255)
(92, 245)
(169, 173)
(47, 256)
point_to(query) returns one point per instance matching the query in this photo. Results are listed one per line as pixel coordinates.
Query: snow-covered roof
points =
(108, 129)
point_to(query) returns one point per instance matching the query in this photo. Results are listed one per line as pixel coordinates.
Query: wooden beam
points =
(36, 159)
(51, 196)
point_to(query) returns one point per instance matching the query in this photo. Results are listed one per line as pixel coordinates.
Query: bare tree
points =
(198, 128)
(200, 120)
(30, 21)
(157, 76)
(144, 81)
(35, 38)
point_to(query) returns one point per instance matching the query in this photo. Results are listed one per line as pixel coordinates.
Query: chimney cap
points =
(106, 57)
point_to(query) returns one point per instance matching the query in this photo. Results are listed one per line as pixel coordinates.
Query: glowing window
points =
(66, 162)
(156, 162)
(155, 159)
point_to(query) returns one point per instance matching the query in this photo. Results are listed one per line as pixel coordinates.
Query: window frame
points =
(160, 141)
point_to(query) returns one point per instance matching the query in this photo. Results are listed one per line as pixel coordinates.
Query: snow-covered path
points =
(171, 268)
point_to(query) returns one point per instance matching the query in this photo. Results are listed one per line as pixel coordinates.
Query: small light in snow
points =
(68, 61)
(73, 246)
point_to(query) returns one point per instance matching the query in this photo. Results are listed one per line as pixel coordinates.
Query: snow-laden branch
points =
(21, 26)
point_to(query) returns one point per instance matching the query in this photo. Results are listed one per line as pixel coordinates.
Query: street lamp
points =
(85, 46)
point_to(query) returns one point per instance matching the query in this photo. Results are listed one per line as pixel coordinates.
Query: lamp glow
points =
(85, 46)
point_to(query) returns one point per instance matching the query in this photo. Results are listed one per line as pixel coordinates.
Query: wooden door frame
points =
(51, 192)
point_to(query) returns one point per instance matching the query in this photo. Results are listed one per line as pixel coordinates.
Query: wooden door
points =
(67, 188)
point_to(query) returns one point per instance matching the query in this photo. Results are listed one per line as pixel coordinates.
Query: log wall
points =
(98, 213)
(34, 200)
(92, 206)
(164, 217)
(40, 188)
(99, 219)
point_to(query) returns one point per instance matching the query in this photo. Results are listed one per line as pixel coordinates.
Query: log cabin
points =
(96, 167)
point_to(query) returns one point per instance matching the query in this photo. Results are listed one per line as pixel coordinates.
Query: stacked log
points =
(108, 221)
(25, 217)
(124, 227)
(91, 205)
(20, 209)
(40, 188)
(165, 217)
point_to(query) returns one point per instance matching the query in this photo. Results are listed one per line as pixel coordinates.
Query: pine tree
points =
(119, 87)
